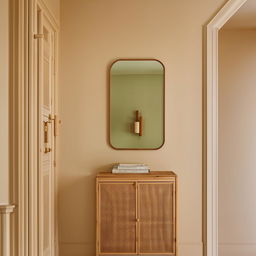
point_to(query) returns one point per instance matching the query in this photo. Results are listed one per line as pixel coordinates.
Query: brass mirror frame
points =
(109, 104)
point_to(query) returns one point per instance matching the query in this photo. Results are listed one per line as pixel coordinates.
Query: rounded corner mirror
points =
(137, 93)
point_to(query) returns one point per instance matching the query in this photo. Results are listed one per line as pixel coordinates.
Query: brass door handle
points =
(46, 139)
(56, 121)
(53, 119)
(47, 150)
(46, 132)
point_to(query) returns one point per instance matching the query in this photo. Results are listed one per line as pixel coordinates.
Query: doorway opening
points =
(235, 14)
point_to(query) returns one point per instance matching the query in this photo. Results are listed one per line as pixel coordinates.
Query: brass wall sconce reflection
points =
(138, 124)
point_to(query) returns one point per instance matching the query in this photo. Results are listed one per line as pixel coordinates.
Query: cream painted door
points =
(46, 177)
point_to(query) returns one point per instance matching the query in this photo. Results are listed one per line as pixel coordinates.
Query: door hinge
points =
(37, 36)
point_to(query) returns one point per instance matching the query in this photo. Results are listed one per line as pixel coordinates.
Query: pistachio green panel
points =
(137, 86)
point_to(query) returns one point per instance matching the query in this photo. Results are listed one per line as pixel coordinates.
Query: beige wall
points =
(94, 33)
(4, 101)
(237, 142)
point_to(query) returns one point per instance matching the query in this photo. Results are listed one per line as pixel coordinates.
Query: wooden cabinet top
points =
(153, 174)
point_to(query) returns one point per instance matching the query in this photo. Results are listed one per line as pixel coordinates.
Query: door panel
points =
(156, 221)
(46, 175)
(48, 50)
(117, 218)
(46, 213)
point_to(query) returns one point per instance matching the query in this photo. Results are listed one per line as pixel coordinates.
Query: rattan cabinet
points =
(136, 214)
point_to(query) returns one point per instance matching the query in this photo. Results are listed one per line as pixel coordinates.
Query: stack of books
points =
(130, 168)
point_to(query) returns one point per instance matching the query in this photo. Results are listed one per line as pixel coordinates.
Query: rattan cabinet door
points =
(157, 214)
(117, 215)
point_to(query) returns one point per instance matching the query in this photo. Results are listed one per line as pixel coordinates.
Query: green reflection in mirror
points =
(137, 104)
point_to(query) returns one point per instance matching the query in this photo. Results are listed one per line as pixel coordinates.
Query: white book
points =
(132, 166)
(142, 171)
(116, 170)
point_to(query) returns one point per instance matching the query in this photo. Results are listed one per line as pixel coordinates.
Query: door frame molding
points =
(228, 10)
(19, 125)
(23, 123)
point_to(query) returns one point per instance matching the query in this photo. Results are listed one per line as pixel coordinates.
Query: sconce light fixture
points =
(138, 124)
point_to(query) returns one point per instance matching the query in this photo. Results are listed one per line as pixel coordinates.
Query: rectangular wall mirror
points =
(137, 92)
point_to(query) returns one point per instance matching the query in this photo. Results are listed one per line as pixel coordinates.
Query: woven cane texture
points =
(135, 254)
(117, 218)
(156, 218)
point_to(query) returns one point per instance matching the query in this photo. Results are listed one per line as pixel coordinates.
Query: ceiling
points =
(245, 18)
